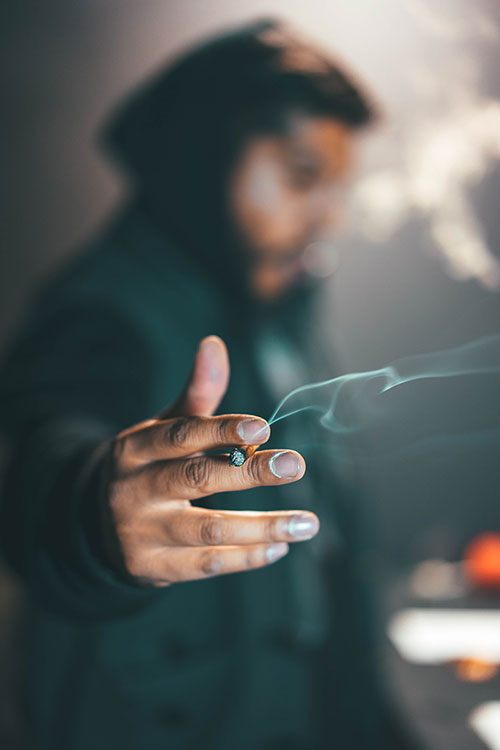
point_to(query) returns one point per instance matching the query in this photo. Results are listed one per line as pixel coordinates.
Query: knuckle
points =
(211, 563)
(177, 432)
(255, 470)
(196, 473)
(211, 531)
(272, 527)
(254, 558)
(225, 430)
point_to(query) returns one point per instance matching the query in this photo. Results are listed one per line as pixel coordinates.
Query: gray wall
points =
(65, 63)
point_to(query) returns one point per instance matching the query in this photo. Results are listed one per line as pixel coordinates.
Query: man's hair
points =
(256, 75)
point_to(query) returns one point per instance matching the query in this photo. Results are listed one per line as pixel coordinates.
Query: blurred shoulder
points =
(134, 270)
(125, 256)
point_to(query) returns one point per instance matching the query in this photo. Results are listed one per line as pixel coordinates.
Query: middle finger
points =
(192, 478)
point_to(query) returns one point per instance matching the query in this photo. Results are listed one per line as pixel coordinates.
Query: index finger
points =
(183, 436)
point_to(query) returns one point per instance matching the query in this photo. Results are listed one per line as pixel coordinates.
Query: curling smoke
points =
(447, 143)
(341, 400)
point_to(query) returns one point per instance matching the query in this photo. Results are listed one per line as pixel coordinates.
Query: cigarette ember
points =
(238, 456)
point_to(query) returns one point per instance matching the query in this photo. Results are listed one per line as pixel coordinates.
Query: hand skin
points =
(153, 470)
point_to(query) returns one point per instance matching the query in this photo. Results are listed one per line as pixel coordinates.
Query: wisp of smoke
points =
(449, 140)
(340, 401)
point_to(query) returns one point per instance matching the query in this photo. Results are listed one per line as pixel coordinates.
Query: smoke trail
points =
(340, 400)
(448, 141)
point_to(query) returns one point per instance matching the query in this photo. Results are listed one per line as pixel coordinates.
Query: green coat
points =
(274, 658)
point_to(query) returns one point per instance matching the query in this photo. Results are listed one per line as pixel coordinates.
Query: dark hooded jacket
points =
(280, 657)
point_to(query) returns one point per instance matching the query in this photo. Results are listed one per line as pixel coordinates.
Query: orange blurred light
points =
(482, 560)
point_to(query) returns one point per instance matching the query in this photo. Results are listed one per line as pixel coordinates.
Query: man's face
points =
(285, 194)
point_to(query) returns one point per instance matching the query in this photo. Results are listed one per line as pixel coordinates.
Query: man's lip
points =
(290, 259)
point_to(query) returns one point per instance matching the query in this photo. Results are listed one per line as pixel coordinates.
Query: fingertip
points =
(216, 339)
(215, 345)
(303, 526)
(302, 464)
(213, 359)
(287, 465)
(275, 551)
(209, 378)
(253, 430)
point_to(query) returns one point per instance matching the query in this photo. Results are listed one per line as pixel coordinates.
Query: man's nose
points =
(327, 214)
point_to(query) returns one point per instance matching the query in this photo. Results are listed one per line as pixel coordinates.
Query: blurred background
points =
(420, 267)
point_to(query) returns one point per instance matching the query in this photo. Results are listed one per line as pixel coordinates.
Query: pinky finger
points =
(177, 564)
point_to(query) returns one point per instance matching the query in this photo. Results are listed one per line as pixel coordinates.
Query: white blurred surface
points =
(431, 636)
(485, 720)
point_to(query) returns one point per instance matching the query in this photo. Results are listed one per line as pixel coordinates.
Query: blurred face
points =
(285, 195)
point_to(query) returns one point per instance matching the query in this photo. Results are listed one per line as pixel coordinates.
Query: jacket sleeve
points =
(77, 375)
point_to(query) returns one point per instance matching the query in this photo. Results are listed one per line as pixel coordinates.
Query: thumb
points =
(207, 382)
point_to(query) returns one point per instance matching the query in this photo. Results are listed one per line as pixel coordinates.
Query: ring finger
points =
(199, 526)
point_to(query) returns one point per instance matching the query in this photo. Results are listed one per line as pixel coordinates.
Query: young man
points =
(138, 637)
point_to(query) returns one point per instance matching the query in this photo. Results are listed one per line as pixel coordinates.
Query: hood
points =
(178, 135)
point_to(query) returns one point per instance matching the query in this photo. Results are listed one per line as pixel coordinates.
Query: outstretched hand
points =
(156, 468)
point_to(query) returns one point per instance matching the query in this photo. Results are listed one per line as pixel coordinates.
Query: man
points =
(139, 636)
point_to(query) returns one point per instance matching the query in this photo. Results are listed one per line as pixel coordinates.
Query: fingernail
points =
(276, 550)
(303, 527)
(212, 351)
(284, 465)
(252, 430)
